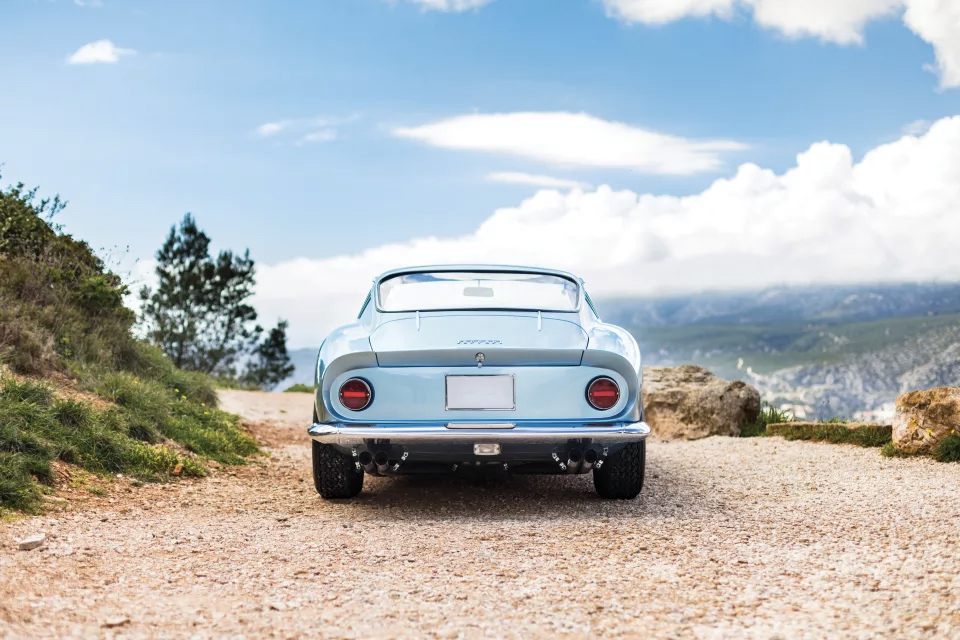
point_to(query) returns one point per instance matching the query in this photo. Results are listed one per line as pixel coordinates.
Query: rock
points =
(924, 418)
(690, 402)
(118, 621)
(33, 542)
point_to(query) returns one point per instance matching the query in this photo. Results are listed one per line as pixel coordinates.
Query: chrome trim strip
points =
(475, 425)
(341, 434)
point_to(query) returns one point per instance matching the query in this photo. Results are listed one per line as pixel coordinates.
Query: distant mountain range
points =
(823, 351)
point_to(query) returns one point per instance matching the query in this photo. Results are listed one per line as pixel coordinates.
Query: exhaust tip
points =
(590, 456)
(365, 458)
(381, 458)
(575, 455)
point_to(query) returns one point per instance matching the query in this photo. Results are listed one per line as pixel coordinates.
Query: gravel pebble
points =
(731, 538)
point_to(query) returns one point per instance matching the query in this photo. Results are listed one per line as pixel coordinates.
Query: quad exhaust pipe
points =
(579, 461)
(377, 463)
(374, 463)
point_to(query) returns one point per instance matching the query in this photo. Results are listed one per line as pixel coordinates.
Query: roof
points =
(495, 268)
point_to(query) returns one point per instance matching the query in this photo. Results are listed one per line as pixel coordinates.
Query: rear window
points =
(454, 290)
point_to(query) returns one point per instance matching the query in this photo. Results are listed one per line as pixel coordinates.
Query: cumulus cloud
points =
(891, 216)
(548, 182)
(450, 5)
(574, 139)
(663, 11)
(935, 21)
(101, 51)
(831, 21)
(938, 22)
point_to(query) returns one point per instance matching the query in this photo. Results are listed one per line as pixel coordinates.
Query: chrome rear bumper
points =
(341, 434)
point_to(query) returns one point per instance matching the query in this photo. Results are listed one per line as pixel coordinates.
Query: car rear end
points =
(440, 390)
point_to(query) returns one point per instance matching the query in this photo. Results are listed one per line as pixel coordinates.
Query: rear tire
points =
(335, 474)
(621, 475)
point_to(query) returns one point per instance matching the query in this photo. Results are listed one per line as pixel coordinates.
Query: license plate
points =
(480, 393)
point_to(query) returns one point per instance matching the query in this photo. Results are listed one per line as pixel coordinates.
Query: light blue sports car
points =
(451, 368)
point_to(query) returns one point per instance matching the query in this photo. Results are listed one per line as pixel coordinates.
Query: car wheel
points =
(621, 475)
(335, 474)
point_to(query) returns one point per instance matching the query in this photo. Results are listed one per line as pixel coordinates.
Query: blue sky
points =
(172, 125)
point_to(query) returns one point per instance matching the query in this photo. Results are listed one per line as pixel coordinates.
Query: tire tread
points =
(334, 473)
(621, 476)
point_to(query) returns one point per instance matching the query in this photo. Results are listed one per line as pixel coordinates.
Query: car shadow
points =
(671, 489)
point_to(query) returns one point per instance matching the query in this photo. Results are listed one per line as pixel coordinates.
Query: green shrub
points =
(301, 388)
(890, 450)
(59, 301)
(949, 449)
(18, 490)
(866, 436)
(768, 415)
(213, 434)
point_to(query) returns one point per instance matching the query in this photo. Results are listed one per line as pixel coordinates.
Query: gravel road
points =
(731, 538)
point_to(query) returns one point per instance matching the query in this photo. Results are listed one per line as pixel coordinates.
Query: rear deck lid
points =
(516, 339)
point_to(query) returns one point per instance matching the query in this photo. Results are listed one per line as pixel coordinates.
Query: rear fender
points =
(346, 348)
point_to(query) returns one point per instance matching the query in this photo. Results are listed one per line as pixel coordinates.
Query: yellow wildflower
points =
(183, 397)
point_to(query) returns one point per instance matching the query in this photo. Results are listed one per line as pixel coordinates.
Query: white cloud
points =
(840, 21)
(828, 20)
(320, 128)
(938, 22)
(548, 182)
(917, 128)
(321, 135)
(101, 51)
(450, 5)
(93, 4)
(574, 139)
(664, 11)
(891, 216)
(271, 128)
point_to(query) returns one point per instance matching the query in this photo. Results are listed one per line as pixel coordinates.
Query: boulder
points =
(924, 418)
(690, 402)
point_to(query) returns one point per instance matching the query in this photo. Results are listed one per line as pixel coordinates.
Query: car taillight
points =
(602, 393)
(355, 394)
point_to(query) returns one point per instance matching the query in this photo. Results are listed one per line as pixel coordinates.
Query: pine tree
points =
(270, 364)
(199, 313)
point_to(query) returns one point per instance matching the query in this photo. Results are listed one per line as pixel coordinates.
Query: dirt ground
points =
(731, 538)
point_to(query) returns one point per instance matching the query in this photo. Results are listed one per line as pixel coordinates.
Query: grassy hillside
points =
(77, 385)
